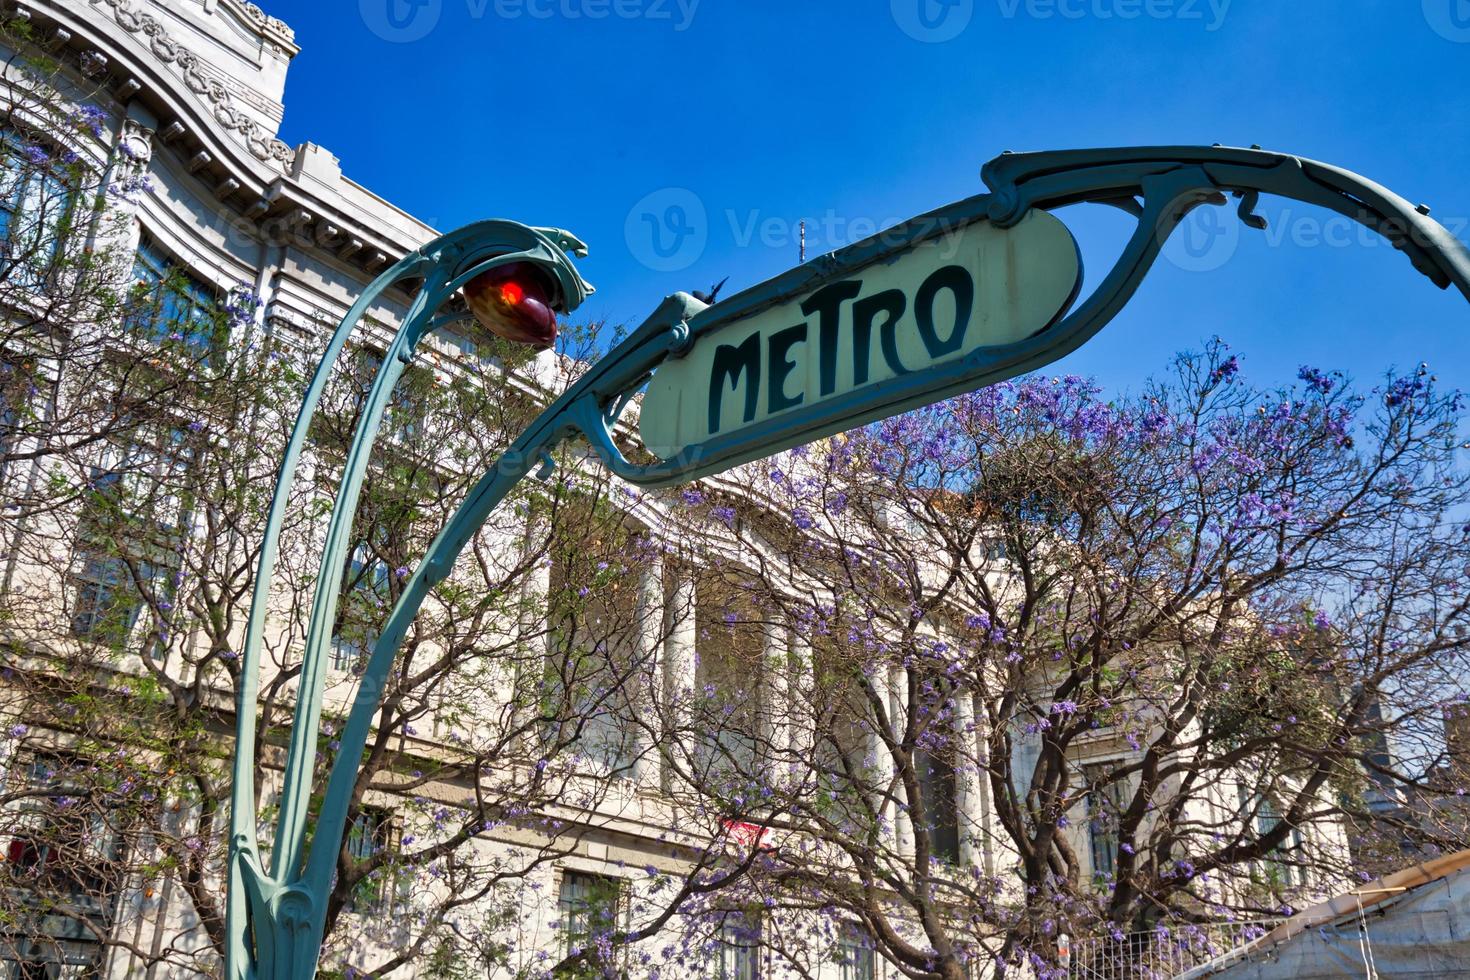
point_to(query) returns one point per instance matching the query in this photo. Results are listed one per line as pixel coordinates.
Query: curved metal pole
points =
(268, 914)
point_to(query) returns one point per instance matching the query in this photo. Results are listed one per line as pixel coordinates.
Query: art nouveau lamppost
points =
(968, 295)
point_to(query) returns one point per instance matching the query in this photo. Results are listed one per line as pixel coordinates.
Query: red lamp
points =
(514, 301)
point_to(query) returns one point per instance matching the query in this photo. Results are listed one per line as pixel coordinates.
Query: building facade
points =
(202, 192)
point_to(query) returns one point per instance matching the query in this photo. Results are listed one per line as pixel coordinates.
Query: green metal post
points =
(275, 918)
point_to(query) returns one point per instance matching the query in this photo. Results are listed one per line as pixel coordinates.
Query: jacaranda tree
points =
(1072, 666)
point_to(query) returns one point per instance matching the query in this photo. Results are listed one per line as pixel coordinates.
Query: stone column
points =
(516, 684)
(648, 635)
(801, 696)
(969, 787)
(132, 159)
(681, 634)
(776, 691)
(987, 826)
(882, 759)
(898, 711)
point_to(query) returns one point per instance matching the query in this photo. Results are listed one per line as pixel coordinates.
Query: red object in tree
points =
(23, 853)
(746, 834)
(515, 301)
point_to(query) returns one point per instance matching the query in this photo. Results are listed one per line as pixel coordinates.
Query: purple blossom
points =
(1226, 371)
(1315, 379)
(90, 118)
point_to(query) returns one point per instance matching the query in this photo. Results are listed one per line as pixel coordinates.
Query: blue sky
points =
(752, 114)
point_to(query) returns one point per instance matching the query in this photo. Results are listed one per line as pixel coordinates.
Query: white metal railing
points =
(1164, 952)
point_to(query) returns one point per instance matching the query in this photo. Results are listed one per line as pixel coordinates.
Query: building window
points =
(60, 839)
(138, 497)
(940, 791)
(106, 606)
(35, 203)
(855, 954)
(585, 699)
(590, 907)
(374, 832)
(738, 954)
(731, 676)
(110, 594)
(585, 702)
(365, 587)
(17, 389)
(407, 410)
(1288, 868)
(1106, 799)
(146, 481)
(344, 654)
(172, 304)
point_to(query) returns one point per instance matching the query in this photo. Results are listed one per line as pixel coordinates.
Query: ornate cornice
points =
(263, 145)
(262, 20)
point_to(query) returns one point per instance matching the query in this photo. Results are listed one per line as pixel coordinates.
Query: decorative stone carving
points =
(266, 22)
(136, 143)
(169, 51)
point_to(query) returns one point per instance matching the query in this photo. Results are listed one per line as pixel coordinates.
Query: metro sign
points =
(859, 340)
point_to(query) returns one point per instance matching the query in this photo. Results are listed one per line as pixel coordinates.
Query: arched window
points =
(36, 200)
(170, 303)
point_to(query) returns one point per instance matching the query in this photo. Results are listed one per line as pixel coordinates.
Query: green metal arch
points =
(276, 918)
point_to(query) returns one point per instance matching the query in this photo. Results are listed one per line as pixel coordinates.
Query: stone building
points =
(191, 93)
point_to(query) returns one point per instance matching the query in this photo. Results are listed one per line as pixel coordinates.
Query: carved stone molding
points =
(263, 21)
(167, 50)
(136, 143)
